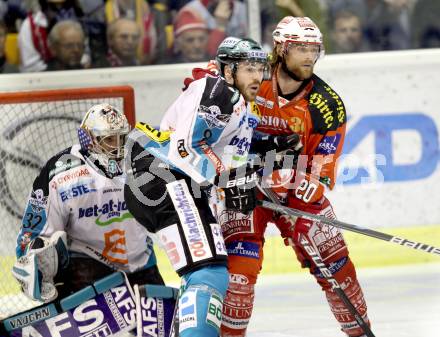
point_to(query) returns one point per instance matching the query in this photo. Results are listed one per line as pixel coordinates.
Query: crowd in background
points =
(45, 35)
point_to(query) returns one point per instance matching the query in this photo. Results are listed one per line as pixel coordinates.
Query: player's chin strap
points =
(317, 259)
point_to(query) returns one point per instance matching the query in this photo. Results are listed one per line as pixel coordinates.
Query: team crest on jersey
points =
(213, 116)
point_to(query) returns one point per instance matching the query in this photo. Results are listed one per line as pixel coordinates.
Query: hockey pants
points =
(244, 240)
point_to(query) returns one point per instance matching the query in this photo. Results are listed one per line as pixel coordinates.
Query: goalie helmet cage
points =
(34, 126)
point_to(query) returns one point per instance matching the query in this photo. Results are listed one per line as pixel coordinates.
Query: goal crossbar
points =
(125, 92)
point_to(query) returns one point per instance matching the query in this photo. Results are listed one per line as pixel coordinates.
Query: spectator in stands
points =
(3, 8)
(95, 27)
(388, 24)
(32, 37)
(123, 37)
(269, 18)
(5, 66)
(176, 5)
(12, 13)
(425, 24)
(153, 42)
(229, 16)
(347, 33)
(66, 43)
(357, 7)
(58, 10)
(193, 41)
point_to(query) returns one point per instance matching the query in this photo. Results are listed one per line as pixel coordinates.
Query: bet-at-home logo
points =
(106, 214)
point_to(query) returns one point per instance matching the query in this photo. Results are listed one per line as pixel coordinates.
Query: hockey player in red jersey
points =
(295, 101)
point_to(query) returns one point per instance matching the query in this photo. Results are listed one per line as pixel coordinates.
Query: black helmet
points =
(233, 50)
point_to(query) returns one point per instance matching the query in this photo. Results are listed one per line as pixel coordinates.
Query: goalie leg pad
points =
(200, 304)
(155, 307)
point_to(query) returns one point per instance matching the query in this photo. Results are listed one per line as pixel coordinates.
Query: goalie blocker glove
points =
(36, 269)
(239, 186)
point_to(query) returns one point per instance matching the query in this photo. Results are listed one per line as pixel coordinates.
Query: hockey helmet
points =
(102, 135)
(298, 30)
(233, 50)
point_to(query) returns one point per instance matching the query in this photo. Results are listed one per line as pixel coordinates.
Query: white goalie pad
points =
(36, 270)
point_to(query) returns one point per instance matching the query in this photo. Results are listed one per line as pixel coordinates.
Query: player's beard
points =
(297, 73)
(248, 94)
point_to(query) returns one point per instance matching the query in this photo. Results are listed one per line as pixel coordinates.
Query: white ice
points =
(402, 301)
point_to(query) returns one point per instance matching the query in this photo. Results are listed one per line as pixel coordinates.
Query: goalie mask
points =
(102, 136)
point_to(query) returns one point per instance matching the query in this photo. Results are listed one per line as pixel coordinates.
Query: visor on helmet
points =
(234, 50)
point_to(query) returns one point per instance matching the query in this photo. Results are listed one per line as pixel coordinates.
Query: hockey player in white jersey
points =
(79, 196)
(204, 140)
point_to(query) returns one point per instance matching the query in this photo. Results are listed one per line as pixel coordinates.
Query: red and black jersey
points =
(316, 113)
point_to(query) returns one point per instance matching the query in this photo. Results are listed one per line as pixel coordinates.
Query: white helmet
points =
(102, 135)
(301, 30)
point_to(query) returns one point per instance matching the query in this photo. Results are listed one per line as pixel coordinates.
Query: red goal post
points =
(34, 126)
(123, 91)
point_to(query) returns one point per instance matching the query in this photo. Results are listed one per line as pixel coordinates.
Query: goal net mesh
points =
(34, 126)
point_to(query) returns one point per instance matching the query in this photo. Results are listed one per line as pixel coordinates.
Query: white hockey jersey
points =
(212, 127)
(70, 195)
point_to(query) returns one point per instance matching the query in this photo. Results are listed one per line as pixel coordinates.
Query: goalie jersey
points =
(72, 196)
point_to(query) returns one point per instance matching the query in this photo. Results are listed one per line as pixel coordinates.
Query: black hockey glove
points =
(239, 186)
(262, 144)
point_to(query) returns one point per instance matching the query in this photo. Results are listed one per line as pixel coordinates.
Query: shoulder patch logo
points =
(340, 111)
(326, 108)
(318, 101)
(328, 144)
(64, 165)
(213, 116)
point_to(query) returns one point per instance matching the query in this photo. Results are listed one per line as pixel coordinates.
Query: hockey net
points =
(34, 126)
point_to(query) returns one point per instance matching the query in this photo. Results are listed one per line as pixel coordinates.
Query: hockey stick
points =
(323, 268)
(353, 228)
